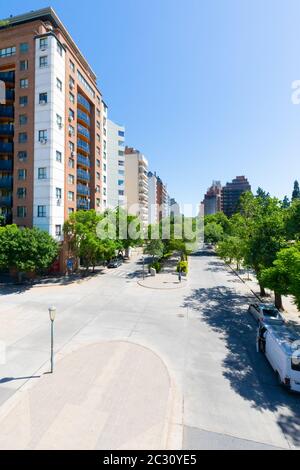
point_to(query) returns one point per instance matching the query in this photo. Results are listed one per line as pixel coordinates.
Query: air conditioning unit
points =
(43, 141)
(43, 102)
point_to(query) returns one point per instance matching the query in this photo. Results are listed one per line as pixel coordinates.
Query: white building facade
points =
(115, 165)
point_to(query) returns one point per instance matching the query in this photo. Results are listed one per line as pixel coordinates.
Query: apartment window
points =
(43, 98)
(59, 84)
(71, 130)
(98, 163)
(71, 146)
(58, 192)
(98, 138)
(21, 212)
(98, 125)
(24, 47)
(22, 173)
(41, 211)
(59, 121)
(121, 133)
(58, 230)
(24, 83)
(43, 61)
(98, 189)
(21, 193)
(121, 192)
(22, 156)
(85, 84)
(43, 136)
(72, 82)
(71, 179)
(72, 66)
(23, 65)
(104, 167)
(98, 112)
(72, 98)
(59, 49)
(23, 101)
(121, 163)
(98, 175)
(98, 202)
(70, 196)
(43, 43)
(8, 51)
(104, 191)
(104, 144)
(104, 179)
(98, 150)
(58, 156)
(71, 163)
(120, 182)
(70, 210)
(120, 153)
(104, 155)
(121, 172)
(23, 119)
(42, 173)
(71, 114)
(23, 137)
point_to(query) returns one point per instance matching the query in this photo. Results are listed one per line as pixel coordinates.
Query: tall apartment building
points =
(212, 199)
(152, 199)
(52, 126)
(115, 165)
(174, 208)
(162, 199)
(136, 184)
(231, 194)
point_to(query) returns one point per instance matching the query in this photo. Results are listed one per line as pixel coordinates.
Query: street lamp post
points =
(143, 267)
(52, 313)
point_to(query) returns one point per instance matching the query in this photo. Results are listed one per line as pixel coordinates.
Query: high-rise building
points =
(162, 199)
(136, 184)
(52, 126)
(212, 199)
(115, 165)
(174, 208)
(231, 194)
(152, 199)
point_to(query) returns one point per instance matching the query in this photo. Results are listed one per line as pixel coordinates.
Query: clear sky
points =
(202, 86)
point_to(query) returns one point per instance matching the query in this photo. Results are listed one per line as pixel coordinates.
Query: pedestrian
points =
(179, 275)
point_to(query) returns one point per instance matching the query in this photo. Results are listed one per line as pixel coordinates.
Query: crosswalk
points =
(123, 273)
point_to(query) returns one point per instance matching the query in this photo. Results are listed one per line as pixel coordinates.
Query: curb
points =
(140, 283)
(244, 282)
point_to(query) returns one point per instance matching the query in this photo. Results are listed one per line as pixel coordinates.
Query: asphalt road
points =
(203, 334)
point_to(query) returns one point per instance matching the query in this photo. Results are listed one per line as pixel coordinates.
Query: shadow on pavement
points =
(248, 372)
(13, 379)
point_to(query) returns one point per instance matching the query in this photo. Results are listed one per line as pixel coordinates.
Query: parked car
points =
(114, 263)
(281, 345)
(262, 312)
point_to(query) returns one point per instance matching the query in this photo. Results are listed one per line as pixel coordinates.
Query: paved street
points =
(202, 333)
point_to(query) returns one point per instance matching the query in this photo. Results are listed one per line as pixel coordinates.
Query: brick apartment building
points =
(52, 125)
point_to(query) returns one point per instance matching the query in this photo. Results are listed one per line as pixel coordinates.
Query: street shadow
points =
(247, 371)
(13, 379)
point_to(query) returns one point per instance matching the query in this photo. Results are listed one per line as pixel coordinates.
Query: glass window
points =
(21, 193)
(59, 84)
(71, 179)
(58, 192)
(21, 211)
(24, 47)
(23, 100)
(23, 119)
(121, 133)
(70, 210)
(58, 230)
(43, 135)
(70, 196)
(121, 163)
(41, 211)
(43, 43)
(59, 120)
(22, 156)
(24, 83)
(59, 49)
(42, 173)
(121, 192)
(121, 172)
(8, 51)
(71, 163)
(120, 182)
(121, 153)
(98, 163)
(71, 146)
(22, 173)
(23, 137)
(58, 156)
(43, 61)
(72, 66)
(72, 98)
(43, 98)
(23, 65)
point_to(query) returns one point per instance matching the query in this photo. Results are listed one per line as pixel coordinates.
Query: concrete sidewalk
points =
(114, 395)
(166, 279)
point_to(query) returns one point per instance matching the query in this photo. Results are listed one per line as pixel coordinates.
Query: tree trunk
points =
(278, 301)
(262, 291)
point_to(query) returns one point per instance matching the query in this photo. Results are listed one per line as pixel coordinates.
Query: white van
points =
(281, 345)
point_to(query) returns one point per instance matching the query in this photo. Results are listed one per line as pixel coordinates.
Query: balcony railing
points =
(6, 129)
(83, 116)
(6, 111)
(6, 147)
(83, 160)
(7, 76)
(84, 102)
(83, 131)
(6, 182)
(83, 204)
(83, 175)
(81, 144)
(84, 190)
(5, 201)
(6, 165)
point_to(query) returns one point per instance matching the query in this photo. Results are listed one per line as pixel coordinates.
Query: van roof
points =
(285, 336)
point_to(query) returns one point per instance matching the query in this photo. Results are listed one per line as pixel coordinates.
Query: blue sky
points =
(202, 86)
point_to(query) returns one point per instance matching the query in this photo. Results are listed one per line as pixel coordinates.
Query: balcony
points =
(84, 102)
(6, 147)
(84, 190)
(83, 175)
(83, 204)
(83, 131)
(6, 111)
(6, 165)
(83, 117)
(7, 77)
(6, 182)
(10, 95)
(81, 160)
(6, 129)
(5, 201)
(82, 145)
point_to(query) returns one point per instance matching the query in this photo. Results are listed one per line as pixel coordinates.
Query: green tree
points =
(232, 249)
(155, 248)
(213, 233)
(296, 191)
(293, 221)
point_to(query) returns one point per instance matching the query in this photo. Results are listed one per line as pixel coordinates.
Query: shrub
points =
(157, 266)
(183, 266)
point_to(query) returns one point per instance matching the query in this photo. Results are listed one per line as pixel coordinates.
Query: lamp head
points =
(52, 313)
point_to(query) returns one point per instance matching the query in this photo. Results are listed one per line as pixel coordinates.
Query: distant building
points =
(231, 194)
(162, 200)
(212, 199)
(152, 199)
(174, 208)
(115, 165)
(136, 184)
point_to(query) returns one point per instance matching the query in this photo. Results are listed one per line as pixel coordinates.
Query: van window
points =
(268, 312)
(296, 364)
